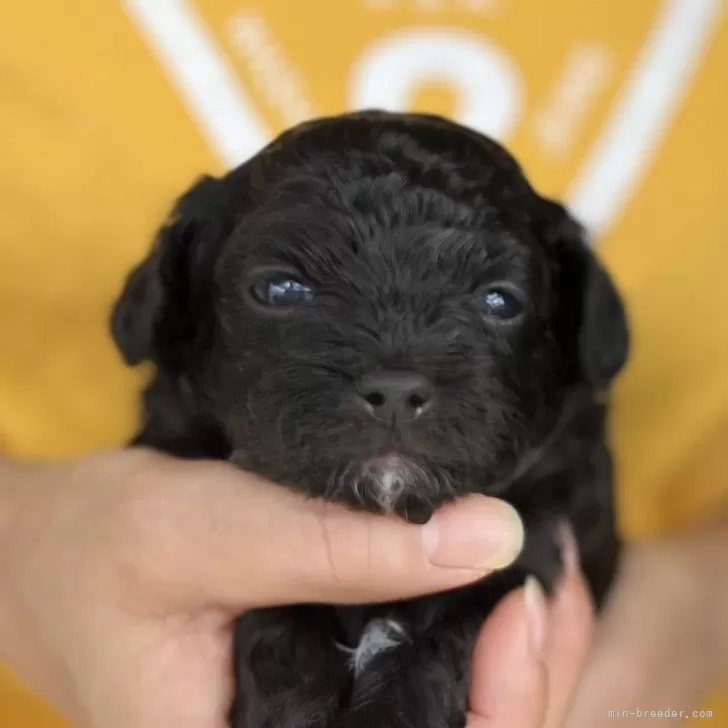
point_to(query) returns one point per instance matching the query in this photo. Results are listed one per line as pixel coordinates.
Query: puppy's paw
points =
(309, 704)
(287, 710)
(290, 673)
(389, 716)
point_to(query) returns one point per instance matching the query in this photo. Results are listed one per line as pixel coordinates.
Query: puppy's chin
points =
(392, 484)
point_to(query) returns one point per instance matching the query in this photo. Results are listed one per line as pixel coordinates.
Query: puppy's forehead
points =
(370, 159)
(323, 238)
(376, 194)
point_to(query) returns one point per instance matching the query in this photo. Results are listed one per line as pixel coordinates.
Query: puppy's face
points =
(378, 310)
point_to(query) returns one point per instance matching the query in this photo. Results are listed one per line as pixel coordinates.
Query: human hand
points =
(661, 643)
(530, 654)
(121, 576)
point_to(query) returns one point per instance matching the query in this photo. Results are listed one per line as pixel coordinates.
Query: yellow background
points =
(97, 138)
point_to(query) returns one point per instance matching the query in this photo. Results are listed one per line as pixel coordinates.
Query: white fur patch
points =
(380, 635)
(391, 476)
(391, 484)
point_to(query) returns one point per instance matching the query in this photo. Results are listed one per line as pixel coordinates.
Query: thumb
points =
(252, 543)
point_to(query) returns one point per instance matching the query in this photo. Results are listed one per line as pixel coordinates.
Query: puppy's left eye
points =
(501, 304)
(281, 292)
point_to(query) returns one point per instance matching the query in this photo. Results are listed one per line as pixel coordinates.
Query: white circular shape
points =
(487, 82)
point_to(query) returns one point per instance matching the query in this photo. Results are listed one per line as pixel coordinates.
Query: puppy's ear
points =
(162, 300)
(604, 336)
(590, 301)
(136, 311)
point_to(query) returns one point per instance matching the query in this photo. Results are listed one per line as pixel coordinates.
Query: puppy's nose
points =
(395, 395)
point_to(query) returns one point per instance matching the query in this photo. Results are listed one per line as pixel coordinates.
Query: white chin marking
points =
(380, 635)
(390, 486)
(390, 476)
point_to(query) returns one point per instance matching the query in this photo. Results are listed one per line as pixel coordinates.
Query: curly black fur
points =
(399, 223)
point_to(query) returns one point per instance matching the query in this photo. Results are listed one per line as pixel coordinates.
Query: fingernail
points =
(537, 614)
(482, 534)
(569, 548)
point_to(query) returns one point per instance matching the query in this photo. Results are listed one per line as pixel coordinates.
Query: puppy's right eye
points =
(280, 292)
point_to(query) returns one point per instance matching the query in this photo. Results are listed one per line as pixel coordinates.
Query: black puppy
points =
(378, 309)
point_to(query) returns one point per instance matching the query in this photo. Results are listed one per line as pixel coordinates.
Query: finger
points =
(246, 542)
(509, 679)
(571, 631)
